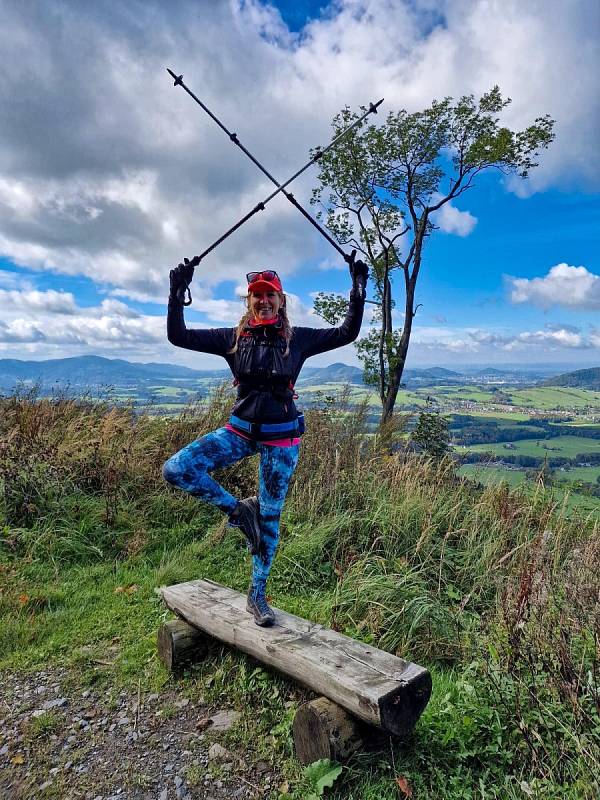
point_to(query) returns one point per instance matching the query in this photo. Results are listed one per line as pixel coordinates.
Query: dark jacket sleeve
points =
(317, 340)
(216, 341)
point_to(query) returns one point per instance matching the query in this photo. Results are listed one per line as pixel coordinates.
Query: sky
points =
(109, 175)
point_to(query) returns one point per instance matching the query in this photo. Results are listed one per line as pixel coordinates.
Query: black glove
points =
(359, 272)
(181, 277)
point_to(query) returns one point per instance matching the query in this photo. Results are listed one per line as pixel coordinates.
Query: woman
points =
(265, 355)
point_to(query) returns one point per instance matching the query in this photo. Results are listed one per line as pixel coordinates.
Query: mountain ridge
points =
(578, 379)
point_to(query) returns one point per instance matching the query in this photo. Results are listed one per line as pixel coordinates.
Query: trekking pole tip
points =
(373, 106)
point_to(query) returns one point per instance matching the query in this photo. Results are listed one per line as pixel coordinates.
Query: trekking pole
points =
(280, 187)
(234, 138)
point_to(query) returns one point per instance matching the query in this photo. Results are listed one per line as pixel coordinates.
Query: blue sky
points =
(109, 175)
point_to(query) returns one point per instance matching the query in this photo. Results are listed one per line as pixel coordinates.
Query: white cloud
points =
(33, 300)
(562, 337)
(118, 184)
(451, 220)
(53, 318)
(550, 339)
(12, 280)
(571, 287)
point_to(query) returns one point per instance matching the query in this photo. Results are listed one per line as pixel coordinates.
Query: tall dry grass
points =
(404, 553)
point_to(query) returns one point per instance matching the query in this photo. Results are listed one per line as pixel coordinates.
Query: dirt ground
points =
(60, 741)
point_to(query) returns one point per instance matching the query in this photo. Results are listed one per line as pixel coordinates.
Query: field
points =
(583, 474)
(491, 589)
(491, 476)
(568, 446)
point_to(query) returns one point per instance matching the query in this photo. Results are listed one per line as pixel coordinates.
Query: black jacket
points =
(265, 377)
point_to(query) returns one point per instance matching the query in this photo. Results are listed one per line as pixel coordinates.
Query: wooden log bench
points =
(361, 685)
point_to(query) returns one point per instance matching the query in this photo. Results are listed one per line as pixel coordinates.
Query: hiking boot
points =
(246, 517)
(257, 605)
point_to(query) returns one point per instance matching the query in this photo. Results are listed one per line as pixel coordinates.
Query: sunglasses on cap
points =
(265, 275)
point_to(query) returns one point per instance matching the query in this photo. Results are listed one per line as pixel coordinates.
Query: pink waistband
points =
(274, 442)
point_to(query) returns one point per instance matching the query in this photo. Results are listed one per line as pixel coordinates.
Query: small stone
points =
(224, 720)
(164, 794)
(45, 786)
(124, 721)
(60, 701)
(150, 698)
(218, 753)
(182, 703)
(169, 767)
(177, 781)
(39, 712)
(4, 750)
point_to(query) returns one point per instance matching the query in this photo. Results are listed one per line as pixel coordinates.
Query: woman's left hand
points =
(360, 273)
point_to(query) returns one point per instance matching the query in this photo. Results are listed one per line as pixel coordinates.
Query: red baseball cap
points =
(266, 281)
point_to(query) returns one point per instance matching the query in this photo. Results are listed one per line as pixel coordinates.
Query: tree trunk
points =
(395, 377)
(396, 374)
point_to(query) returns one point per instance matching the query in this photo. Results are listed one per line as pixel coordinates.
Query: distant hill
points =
(491, 371)
(334, 373)
(81, 372)
(580, 379)
(88, 371)
(432, 372)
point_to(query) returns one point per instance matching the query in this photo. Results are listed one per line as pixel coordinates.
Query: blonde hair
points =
(282, 313)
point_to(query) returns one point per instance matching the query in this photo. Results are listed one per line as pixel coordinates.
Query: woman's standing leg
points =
(277, 465)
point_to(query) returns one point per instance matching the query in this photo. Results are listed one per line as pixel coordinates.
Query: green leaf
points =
(322, 773)
(329, 778)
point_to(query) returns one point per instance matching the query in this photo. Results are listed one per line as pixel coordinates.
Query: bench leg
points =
(322, 729)
(180, 644)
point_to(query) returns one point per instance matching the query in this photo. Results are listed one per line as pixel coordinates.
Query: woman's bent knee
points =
(171, 472)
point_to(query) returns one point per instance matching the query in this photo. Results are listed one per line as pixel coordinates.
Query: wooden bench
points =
(358, 682)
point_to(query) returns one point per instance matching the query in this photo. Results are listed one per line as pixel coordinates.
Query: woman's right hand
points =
(181, 277)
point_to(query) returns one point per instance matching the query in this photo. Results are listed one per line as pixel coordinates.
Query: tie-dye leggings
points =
(189, 470)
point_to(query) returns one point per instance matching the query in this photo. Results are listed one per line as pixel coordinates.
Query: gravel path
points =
(61, 742)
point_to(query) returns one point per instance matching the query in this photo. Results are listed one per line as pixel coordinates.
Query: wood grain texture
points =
(323, 729)
(375, 686)
(180, 644)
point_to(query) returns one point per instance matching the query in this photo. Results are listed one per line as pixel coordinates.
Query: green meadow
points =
(493, 589)
(568, 446)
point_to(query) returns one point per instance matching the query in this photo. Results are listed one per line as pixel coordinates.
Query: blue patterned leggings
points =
(188, 469)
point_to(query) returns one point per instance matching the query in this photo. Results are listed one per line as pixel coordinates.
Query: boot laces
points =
(261, 601)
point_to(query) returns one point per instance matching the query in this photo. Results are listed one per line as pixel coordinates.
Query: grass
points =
(551, 397)
(579, 474)
(492, 475)
(492, 590)
(568, 446)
